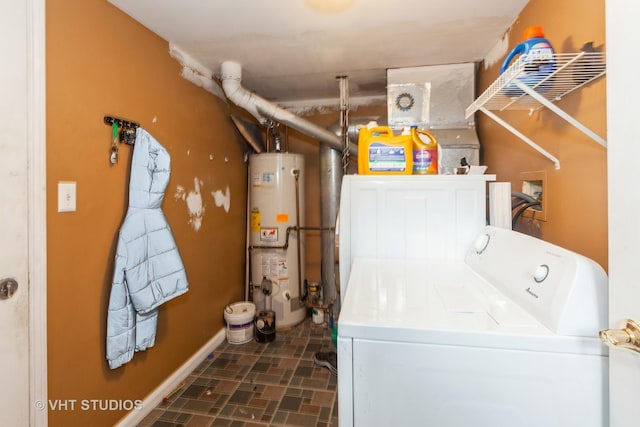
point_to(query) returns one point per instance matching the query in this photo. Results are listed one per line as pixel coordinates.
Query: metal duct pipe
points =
(263, 110)
(354, 126)
(331, 174)
(333, 166)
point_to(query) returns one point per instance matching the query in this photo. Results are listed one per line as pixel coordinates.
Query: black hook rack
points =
(128, 132)
(109, 120)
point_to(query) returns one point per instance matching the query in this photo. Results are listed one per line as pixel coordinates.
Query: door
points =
(623, 135)
(22, 216)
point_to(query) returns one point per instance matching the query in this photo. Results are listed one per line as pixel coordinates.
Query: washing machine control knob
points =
(541, 273)
(481, 243)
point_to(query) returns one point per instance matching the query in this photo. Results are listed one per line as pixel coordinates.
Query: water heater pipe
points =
(263, 110)
(301, 296)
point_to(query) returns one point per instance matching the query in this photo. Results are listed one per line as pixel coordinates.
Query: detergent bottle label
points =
(423, 159)
(540, 58)
(387, 158)
(425, 152)
(541, 50)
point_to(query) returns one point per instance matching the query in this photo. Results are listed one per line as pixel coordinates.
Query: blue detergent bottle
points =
(539, 62)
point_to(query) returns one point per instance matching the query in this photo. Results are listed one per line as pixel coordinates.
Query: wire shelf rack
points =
(525, 86)
(572, 71)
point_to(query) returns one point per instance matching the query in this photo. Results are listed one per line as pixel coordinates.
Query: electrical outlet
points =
(66, 196)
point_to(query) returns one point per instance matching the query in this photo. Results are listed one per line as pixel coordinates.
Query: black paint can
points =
(265, 326)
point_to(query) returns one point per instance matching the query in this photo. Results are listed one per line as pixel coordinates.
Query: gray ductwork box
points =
(435, 98)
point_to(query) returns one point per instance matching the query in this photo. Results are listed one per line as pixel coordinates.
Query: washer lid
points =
(442, 302)
(565, 291)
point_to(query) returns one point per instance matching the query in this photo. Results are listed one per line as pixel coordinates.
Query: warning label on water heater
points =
(269, 234)
(255, 221)
(275, 268)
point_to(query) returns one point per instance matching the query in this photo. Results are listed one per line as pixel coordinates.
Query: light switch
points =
(66, 196)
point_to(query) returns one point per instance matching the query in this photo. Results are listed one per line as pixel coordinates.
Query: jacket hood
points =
(150, 171)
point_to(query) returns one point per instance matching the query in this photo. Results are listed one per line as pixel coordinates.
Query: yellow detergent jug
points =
(382, 153)
(425, 152)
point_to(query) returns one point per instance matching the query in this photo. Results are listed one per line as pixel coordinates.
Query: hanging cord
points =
(344, 120)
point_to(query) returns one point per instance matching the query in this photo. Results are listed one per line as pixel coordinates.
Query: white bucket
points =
(317, 315)
(240, 322)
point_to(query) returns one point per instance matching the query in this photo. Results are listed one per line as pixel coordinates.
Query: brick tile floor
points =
(257, 384)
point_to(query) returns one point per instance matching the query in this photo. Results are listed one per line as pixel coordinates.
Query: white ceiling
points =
(292, 50)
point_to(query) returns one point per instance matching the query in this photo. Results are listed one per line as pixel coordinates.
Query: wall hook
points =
(126, 135)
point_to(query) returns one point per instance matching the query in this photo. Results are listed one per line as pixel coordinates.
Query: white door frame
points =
(37, 212)
(623, 198)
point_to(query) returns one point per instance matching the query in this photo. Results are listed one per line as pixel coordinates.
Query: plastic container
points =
(539, 62)
(425, 152)
(240, 322)
(382, 153)
(317, 315)
(266, 326)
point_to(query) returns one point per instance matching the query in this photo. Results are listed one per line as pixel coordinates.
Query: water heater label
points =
(255, 221)
(262, 178)
(275, 267)
(269, 234)
(268, 178)
(282, 217)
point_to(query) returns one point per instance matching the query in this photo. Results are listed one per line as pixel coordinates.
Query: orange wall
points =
(100, 61)
(576, 196)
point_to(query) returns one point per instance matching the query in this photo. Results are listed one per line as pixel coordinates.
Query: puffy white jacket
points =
(148, 267)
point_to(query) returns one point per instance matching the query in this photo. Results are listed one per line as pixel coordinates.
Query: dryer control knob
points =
(481, 243)
(541, 273)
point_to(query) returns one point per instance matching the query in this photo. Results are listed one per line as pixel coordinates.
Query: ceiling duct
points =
(435, 98)
(264, 111)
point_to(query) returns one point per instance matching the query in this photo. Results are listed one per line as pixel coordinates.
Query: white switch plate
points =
(66, 196)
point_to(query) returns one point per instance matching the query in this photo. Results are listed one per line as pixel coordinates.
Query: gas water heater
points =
(276, 245)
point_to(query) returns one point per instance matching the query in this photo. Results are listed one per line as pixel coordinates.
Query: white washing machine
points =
(506, 336)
